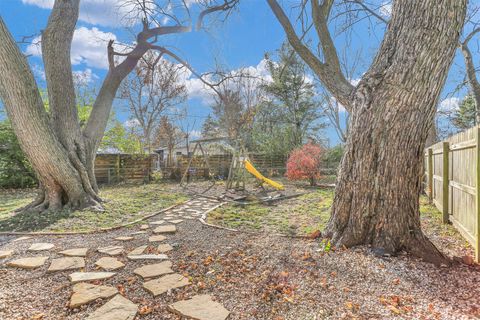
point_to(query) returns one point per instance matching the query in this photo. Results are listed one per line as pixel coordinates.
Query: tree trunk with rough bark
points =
(60, 179)
(378, 188)
(391, 110)
(61, 153)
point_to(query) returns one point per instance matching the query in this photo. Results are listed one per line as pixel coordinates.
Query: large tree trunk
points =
(377, 194)
(61, 153)
(60, 180)
(56, 43)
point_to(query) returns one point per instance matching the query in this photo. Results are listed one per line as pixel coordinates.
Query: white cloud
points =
(84, 77)
(334, 102)
(449, 104)
(355, 82)
(44, 4)
(132, 123)
(195, 134)
(111, 13)
(197, 89)
(38, 72)
(34, 49)
(89, 47)
(386, 9)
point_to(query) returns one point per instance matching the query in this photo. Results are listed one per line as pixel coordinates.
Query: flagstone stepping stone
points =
(111, 250)
(68, 263)
(109, 263)
(138, 250)
(200, 307)
(5, 253)
(176, 221)
(170, 228)
(88, 276)
(157, 222)
(156, 238)
(164, 247)
(41, 246)
(77, 252)
(28, 263)
(84, 293)
(22, 238)
(154, 270)
(165, 283)
(148, 257)
(118, 308)
(138, 232)
(124, 238)
(144, 227)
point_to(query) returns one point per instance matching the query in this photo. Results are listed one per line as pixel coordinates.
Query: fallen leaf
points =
(145, 310)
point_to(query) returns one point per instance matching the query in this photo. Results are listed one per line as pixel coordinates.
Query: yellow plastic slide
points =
(250, 168)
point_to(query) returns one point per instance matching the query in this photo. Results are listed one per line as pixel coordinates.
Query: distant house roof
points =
(180, 146)
(109, 150)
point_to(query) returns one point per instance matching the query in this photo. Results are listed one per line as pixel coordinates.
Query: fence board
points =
(459, 192)
(115, 168)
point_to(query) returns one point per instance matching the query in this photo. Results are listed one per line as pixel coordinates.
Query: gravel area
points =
(253, 276)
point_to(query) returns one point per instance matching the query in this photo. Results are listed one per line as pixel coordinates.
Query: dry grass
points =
(124, 203)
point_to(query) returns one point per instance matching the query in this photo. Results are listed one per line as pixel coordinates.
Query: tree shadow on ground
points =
(30, 220)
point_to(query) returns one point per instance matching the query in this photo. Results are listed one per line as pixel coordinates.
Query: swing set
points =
(240, 165)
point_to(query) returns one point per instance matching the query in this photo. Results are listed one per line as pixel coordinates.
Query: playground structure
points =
(240, 167)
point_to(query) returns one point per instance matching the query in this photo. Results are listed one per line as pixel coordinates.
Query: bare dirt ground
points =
(261, 276)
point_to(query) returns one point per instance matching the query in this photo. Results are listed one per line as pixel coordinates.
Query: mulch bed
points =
(255, 277)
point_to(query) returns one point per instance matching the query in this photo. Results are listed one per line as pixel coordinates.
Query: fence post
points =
(446, 181)
(430, 175)
(477, 200)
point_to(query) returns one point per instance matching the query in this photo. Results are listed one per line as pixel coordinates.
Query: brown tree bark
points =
(61, 153)
(377, 194)
(61, 183)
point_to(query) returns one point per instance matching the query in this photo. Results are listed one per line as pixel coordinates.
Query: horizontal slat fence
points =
(451, 181)
(115, 168)
(269, 165)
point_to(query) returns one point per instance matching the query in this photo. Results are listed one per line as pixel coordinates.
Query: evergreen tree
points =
(466, 115)
(290, 112)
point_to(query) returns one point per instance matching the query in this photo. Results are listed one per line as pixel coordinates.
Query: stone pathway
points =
(156, 272)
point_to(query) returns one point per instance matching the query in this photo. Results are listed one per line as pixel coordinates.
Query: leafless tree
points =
(471, 71)
(236, 100)
(61, 152)
(169, 135)
(154, 88)
(391, 110)
(337, 115)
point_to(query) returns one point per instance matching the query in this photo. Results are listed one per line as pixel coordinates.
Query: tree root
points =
(416, 244)
(423, 248)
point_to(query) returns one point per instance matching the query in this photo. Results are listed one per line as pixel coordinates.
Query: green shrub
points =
(15, 170)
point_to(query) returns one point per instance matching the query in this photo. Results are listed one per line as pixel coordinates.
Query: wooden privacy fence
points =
(116, 168)
(269, 165)
(452, 180)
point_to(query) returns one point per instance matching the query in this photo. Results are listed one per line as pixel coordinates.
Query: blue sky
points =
(241, 41)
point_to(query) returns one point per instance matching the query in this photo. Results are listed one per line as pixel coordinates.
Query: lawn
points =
(294, 216)
(310, 212)
(124, 203)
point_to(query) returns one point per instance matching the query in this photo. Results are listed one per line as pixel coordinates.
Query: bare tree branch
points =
(329, 71)
(470, 70)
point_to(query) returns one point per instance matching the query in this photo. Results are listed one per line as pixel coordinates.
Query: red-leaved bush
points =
(304, 163)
